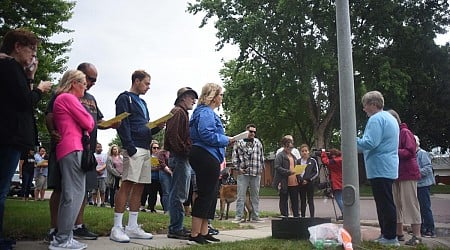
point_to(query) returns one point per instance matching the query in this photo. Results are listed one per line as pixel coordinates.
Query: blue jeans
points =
(423, 195)
(9, 159)
(27, 181)
(166, 181)
(338, 197)
(179, 190)
(243, 182)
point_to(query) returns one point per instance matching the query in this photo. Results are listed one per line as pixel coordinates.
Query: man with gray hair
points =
(178, 142)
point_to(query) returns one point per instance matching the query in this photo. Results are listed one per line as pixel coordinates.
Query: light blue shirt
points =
(425, 168)
(379, 145)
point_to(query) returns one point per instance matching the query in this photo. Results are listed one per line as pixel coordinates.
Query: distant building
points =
(441, 165)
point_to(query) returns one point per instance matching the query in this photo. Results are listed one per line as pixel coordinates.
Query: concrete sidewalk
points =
(324, 209)
(259, 230)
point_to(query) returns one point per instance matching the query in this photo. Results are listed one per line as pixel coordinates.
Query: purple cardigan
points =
(408, 168)
(70, 118)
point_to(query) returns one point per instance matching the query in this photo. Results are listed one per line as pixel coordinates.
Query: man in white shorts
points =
(136, 138)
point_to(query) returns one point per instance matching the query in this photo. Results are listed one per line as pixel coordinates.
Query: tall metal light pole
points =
(348, 122)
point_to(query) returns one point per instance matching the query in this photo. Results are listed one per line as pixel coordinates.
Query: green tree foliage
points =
(286, 80)
(45, 18)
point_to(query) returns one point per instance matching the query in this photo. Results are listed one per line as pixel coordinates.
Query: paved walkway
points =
(369, 228)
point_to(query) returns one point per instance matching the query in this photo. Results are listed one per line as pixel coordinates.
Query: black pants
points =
(207, 169)
(307, 193)
(386, 210)
(292, 193)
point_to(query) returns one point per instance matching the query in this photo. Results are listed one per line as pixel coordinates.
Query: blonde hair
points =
(65, 84)
(373, 97)
(209, 92)
(112, 147)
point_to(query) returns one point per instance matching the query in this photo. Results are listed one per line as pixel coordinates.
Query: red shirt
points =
(335, 166)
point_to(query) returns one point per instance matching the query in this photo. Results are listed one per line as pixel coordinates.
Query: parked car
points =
(16, 186)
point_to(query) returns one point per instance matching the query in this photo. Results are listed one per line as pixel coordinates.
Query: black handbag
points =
(88, 161)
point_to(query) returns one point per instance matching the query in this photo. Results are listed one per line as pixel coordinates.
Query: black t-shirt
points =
(28, 163)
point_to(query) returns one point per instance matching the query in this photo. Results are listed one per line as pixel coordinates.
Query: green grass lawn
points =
(30, 221)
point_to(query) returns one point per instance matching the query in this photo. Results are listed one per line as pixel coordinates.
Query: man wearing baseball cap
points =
(178, 142)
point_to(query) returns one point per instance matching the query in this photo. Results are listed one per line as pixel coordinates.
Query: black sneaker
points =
(429, 234)
(414, 241)
(50, 236)
(212, 230)
(199, 240)
(83, 233)
(210, 238)
(181, 235)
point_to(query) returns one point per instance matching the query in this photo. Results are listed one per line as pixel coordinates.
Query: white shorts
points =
(137, 168)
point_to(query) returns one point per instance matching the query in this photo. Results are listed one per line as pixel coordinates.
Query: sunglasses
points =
(155, 147)
(91, 79)
(252, 131)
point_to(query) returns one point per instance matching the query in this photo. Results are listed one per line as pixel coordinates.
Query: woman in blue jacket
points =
(208, 151)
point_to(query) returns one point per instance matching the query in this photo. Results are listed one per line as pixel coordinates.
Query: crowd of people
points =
(184, 169)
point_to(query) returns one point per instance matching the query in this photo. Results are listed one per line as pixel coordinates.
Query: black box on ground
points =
(295, 228)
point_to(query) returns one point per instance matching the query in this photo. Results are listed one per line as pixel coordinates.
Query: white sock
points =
(132, 219)
(75, 227)
(118, 219)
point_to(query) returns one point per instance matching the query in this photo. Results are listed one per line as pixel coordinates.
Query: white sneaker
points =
(137, 233)
(257, 220)
(69, 244)
(238, 220)
(119, 235)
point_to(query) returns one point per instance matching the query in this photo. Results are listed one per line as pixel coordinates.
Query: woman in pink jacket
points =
(71, 119)
(404, 188)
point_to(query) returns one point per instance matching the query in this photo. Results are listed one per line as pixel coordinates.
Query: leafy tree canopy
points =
(286, 79)
(45, 18)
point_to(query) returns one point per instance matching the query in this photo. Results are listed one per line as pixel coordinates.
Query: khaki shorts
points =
(137, 167)
(101, 186)
(405, 199)
(41, 182)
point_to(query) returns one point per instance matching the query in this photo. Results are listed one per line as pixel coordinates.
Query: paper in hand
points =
(241, 136)
(299, 169)
(163, 119)
(116, 119)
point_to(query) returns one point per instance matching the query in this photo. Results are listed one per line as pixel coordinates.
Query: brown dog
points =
(228, 194)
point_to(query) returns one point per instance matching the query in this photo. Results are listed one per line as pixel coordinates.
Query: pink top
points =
(70, 118)
(118, 163)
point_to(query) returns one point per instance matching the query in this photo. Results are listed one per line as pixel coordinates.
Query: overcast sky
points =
(119, 37)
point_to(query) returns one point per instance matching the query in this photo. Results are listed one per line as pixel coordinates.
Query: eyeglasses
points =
(252, 131)
(155, 147)
(91, 79)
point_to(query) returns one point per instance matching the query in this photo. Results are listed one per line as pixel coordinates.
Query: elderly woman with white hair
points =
(423, 191)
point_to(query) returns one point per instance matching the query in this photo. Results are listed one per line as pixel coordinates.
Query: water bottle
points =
(318, 244)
